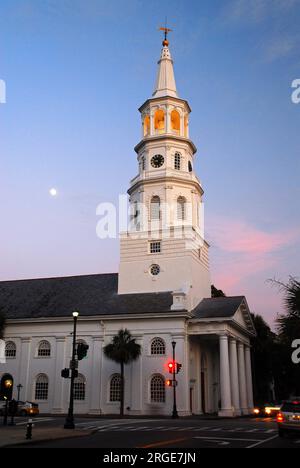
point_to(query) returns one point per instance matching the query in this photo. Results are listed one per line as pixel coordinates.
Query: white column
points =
(249, 378)
(242, 379)
(226, 407)
(136, 395)
(25, 379)
(234, 377)
(57, 406)
(167, 119)
(151, 122)
(96, 384)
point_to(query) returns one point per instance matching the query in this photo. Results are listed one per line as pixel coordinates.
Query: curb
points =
(47, 439)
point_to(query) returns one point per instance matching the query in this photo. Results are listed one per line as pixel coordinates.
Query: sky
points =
(76, 72)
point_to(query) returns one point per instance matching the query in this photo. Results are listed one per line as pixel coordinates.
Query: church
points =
(162, 294)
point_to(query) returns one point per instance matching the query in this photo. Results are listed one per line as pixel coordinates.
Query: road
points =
(167, 433)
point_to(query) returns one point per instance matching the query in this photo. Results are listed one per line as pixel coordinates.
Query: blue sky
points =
(76, 72)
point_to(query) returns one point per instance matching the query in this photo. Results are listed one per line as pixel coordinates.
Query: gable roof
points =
(226, 308)
(218, 307)
(89, 294)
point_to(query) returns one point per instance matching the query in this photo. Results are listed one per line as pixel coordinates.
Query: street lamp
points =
(19, 390)
(174, 382)
(69, 423)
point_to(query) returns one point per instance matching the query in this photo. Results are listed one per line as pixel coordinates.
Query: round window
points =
(155, 270)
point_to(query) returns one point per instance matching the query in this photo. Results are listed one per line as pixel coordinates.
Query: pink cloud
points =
(240, 251)
(238, 236)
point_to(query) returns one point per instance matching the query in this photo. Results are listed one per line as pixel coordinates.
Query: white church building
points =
(161, 294)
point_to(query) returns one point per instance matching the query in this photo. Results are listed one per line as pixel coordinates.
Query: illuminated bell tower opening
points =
(164, 248)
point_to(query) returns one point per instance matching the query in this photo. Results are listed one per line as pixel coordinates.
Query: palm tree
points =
(123, 349)
(291, 299)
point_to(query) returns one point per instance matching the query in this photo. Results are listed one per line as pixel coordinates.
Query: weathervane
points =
(166, 32)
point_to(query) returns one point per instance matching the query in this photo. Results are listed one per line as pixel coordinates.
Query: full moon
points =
(53, 192)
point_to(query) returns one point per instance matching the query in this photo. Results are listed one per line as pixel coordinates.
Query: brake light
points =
(295, 402)
(280, 417)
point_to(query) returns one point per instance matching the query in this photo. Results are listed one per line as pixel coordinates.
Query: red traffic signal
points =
(171, 367)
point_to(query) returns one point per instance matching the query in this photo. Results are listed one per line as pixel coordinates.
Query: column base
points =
(58, 411)
(245, 411)
(237, 412)
(226, 413)
(95, 411)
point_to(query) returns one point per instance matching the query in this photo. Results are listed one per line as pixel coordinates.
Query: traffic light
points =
(178, 367)
(169, 383)
(6, 387)
(65, 373)
(82, 350)
(171, 367)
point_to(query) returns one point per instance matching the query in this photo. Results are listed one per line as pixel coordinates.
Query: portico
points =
(225, 343)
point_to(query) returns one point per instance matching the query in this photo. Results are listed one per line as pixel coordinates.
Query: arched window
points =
(155, 207)
(190, 166)
(44, 349)
(159, 121)
(158, 346)
(175, 121)
(177, 161)
(115, 388)
(181, 208)
(146, 125)
(10, 349)
(157, 389)
(41, 387)
(79, 388)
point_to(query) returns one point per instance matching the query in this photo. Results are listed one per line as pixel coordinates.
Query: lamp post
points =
(174, 382)
(19, 390)
(69, 423)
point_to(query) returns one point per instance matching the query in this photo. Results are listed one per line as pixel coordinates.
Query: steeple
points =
(165, 81)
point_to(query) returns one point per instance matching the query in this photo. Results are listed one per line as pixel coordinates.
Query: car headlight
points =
(256, 411)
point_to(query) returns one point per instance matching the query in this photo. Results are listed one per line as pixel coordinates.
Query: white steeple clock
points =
(164, 248)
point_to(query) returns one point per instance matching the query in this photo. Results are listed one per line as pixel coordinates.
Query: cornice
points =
(167, 179)
(164, 98)
(165, 136)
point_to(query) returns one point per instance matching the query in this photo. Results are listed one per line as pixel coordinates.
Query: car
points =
(267, 409)
(25, 408)
(288, 418)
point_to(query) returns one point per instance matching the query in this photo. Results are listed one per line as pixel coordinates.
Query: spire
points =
(165, 81)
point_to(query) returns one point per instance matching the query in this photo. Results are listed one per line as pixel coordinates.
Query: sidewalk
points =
(15, 435)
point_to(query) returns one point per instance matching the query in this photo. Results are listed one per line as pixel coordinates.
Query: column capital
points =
(60, 339)
(240, 344)
(97, 338)
(232, 340)
(223, 336)
(26, 339)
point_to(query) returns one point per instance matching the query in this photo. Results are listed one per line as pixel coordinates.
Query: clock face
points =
(157, 160)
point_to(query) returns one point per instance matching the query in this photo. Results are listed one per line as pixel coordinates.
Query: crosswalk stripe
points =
(186, 428)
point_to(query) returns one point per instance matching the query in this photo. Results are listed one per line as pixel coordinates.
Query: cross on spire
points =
(166, 32)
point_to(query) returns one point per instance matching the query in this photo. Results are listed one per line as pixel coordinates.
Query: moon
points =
(53, 192)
